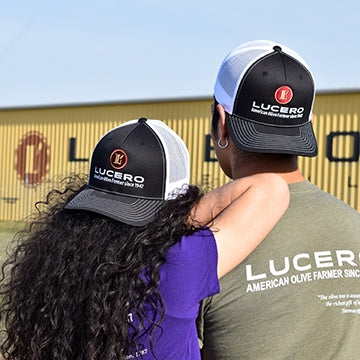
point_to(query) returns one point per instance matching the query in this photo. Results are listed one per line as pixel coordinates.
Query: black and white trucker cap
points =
(134, 168)
(268, 92)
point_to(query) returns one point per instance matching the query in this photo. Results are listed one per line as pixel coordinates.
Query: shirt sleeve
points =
(190, 272)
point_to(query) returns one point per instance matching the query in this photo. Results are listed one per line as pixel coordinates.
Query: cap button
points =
(142, 120)
(277, 48)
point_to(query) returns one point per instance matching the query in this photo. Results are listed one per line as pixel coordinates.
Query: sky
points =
(59, 52)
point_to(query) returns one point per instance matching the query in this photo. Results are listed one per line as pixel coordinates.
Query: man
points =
(297, 295)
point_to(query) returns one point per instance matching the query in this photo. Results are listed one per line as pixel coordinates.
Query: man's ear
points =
(222, 122)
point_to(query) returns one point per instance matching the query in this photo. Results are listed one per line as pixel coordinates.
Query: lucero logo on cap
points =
(118, 159)
(283, 95)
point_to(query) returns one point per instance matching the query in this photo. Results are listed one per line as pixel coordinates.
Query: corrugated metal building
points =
(41, 145)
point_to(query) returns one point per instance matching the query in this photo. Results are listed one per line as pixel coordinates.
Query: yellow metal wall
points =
(39, 146)
(35, 149)
(337, 128)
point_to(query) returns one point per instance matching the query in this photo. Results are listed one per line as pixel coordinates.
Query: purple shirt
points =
(188, 276)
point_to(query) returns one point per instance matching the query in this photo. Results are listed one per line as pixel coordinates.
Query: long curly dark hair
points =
(73, 277)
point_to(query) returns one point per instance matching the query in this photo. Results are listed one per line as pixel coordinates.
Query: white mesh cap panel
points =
(230, 75)
(177, 157)
(235, 65)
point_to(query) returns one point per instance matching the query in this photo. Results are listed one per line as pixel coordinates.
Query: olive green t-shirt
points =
(297, 295)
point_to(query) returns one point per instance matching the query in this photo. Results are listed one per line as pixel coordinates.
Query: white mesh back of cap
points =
(177, 157)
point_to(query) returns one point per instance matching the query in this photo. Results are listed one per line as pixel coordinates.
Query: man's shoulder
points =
(320, 200)
(338, 205)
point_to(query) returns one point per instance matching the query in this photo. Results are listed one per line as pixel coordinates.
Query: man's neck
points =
(288, 170)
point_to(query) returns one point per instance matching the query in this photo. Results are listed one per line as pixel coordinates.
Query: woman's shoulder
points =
(200, 244)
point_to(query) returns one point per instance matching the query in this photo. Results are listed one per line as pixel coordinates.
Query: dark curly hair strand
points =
(74, 276)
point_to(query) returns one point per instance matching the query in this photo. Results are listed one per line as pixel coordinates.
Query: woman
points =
(116, 269)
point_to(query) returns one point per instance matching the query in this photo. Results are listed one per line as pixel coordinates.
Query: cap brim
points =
(127, 209)
(254, 137)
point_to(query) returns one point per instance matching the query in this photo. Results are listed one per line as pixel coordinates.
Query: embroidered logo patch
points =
(118, 159)
(283, 95)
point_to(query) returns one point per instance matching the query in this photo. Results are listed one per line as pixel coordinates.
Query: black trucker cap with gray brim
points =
(267, 91)
(134, 168)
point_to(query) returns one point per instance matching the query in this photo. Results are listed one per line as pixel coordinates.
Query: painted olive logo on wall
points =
(32, 158)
